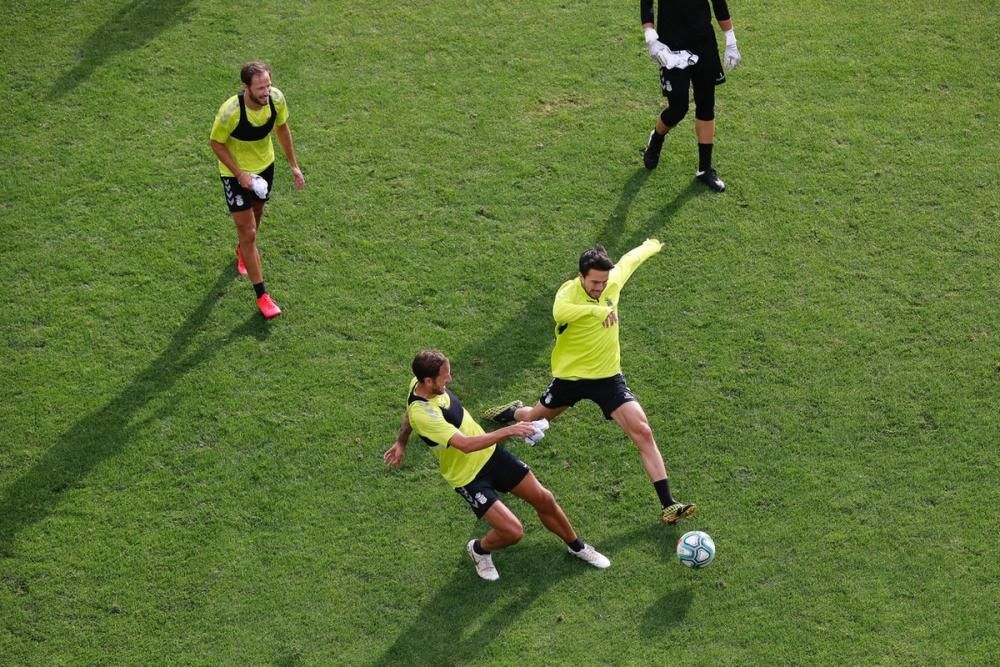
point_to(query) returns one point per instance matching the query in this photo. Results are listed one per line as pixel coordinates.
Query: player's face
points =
(594, 282)
(259, 89)
(442, 380)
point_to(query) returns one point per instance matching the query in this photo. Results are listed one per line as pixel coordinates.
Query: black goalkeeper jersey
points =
(685, 24)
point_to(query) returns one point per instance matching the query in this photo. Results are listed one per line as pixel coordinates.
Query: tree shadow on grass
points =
(105, 432)
(130, 28)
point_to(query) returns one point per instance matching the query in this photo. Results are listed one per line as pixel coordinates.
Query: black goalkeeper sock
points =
(479, 549)
(704, 157)
(663, 491)
(259, 289)
(575, 545)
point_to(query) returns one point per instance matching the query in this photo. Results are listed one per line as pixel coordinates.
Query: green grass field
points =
(182, 483)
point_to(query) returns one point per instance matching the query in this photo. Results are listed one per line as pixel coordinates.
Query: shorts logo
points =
(547, 398)
(667, 87)
(229, 192)
(477, 500)
(239, 200)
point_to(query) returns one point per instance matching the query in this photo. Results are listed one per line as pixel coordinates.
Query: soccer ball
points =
(696, 549)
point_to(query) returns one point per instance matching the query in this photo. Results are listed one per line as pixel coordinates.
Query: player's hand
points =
(732, 57)
(245, 179)
(298, 179)
(611, 319)
(394, 455)
(519, 430)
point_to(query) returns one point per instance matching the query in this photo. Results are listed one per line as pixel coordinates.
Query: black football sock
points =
(479, 549)
(575, 545)
(704, 157)
(663, 491)
(259, 289)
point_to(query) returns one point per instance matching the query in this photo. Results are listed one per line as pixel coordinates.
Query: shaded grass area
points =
(184, 483)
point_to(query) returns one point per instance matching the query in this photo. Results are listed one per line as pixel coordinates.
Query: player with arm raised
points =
(586, 363)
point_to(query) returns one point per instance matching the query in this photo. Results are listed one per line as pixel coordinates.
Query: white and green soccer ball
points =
(696, 549)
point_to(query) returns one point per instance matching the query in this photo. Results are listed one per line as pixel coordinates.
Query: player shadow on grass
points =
(106, 431)
(458, 624)
(461, 620)
(132, 26)
(655, 227)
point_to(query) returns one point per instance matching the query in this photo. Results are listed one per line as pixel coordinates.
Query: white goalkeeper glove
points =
(541, 425)
(663, 56)
(732, 57)
(259, 185)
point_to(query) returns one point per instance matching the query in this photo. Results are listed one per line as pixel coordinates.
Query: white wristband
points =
(730, 37)
(650, 35)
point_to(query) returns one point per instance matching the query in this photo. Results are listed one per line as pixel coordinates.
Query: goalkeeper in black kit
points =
(683, 44)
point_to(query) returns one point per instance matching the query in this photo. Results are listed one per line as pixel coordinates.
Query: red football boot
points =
(268, 308)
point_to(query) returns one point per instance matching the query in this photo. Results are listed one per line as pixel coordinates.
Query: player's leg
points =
(674, 84)
(632, 418)
(246, 232)
(703, 84)
(555, 520)
(549, 512)
(536, 412)
(516, 411)
(505, 528)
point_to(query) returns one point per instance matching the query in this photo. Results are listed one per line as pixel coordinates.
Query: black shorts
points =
(702, 77)
(609, 393)
(501, 473)
(239, 198)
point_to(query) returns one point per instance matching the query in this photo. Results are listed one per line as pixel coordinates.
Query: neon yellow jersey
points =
(252, 156)
(436, 421)
(586, 349)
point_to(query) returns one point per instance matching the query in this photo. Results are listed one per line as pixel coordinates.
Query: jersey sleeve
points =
(280, 106)
(631, 260)
(226, 119)
(721, 10)
(565, 310)
(646, 11)
(426, 419)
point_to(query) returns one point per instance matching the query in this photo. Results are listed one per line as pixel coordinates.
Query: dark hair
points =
(595, 258)
(427, 364)
(250, 70)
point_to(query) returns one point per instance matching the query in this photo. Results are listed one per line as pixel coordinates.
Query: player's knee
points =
(642, 434)
(512, 532)
(247, 233)
(546, 501)
(674, 113)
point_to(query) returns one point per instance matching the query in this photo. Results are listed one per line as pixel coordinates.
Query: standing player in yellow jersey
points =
(477, 469)
(586, 362)
(241, 139)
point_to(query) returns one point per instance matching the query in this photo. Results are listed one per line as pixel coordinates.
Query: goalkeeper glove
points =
(663, 56)
(732, 57)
